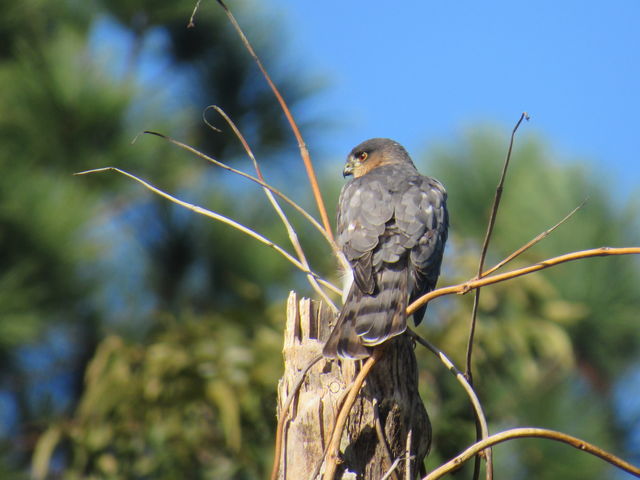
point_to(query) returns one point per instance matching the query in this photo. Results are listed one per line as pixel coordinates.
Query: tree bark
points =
(388, 424)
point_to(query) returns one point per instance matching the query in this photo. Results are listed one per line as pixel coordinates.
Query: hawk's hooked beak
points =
(348, 167)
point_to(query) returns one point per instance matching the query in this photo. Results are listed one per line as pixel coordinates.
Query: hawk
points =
(392, 227)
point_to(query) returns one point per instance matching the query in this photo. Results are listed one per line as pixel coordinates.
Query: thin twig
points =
(474, 283)
(301, 210)
(533, 241)
(215, 216)
(293, 236)
(473, 397)
(407, 466)
(382, 438)
(191, 23)
(485, 244)
(284, 413)
(304, 152)
(482, 428)
(331, 458)
(476, 298)
(391, 470)
(532, 433)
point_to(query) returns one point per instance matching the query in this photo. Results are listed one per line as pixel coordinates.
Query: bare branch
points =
(334, 444)
(304, 152)
(301, 210)
(293, 236)
(532, 433)
(475, 402)
(391, 470)
(476, 298)
(216, 216)
(472, 284)
(407, 457)
(533, 241)
(485, 244)
(191, 23)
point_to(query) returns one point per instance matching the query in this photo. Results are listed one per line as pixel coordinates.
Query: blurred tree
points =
(194, 402)
(87, 257)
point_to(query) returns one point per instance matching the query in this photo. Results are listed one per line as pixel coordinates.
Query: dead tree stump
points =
(388, 425)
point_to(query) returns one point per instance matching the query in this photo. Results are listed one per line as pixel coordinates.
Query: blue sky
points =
(421, 72)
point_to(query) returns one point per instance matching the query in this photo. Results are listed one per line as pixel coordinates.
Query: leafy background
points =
(138, 340)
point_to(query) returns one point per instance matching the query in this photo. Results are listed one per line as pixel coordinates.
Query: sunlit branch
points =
(466, 287)
(532, 242)
(191, 23)
(304, 152)
(475, 402)
(485, 243)
(293, 236)
(392, 469)
(476, 298)
(407, 456)
(215, 216)
(220, 164)
(532, 433)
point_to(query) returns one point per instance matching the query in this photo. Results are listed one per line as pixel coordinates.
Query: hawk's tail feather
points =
(369, 320)
(343, 341)
(382, 315)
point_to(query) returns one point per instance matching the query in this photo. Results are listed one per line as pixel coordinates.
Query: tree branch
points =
(532, 433)
(304, 152)
(532, 242)
(472, 284)
(485, 244)
(198, 153)
(293, 236)
(220, 218)
(468, 388)
(476, 298)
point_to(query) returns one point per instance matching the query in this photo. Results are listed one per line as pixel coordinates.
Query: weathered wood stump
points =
(388, 424)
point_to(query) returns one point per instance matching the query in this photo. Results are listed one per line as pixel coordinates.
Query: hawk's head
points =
(373, 154)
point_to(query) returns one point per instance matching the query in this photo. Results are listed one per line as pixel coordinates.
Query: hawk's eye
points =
(362, 156)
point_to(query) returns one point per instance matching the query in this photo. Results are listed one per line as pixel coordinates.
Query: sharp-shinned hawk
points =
(392, 227)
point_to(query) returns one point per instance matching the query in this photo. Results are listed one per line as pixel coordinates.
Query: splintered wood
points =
(387, 422)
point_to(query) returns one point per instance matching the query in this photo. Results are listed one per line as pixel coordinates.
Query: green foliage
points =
(543, 348)
(539, 193)
(87, 260)
(193, 402)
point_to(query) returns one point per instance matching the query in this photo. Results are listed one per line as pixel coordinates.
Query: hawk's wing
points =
(424, 219)
(364, 208)
(392, 227)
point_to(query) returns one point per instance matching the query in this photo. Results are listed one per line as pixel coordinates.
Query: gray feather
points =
(392, 227)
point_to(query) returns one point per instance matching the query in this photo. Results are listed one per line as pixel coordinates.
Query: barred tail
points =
(369, 320)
